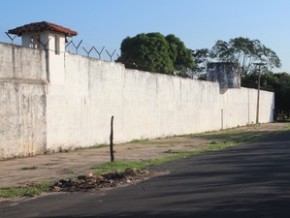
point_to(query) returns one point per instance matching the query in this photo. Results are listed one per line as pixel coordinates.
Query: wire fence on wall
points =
(98, 52)
(77, 47)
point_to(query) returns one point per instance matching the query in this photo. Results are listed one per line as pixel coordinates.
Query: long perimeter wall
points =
(38, 114)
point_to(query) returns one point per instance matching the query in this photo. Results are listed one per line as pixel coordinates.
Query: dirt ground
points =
(52, 167)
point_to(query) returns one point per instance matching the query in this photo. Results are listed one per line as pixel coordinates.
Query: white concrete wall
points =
(50, 101)
(22, 101)
(144, 105)
(17, 62)
(23, 120)
(239, 107)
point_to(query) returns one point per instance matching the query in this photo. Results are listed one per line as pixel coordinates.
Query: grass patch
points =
(238, 135)
(139, 141)
(117, 166)
(288, 127)
(96, 146)
(217, 146)
(121, 166)
(29, 191)
(158, 141)
(172, 151)
(99, 146)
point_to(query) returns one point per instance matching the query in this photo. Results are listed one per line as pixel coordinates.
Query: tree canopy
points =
(245, 52)
(155, 53)
(275, 82)
(179, 54)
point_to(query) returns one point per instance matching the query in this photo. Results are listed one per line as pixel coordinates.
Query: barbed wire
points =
(8, 38)
(98, 52)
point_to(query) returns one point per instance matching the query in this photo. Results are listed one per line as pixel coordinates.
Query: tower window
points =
(31, 43)
(56, 44)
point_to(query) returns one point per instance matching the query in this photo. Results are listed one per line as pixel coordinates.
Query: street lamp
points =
(259, 65)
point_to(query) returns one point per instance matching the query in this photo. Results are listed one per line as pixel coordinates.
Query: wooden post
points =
(112, 139)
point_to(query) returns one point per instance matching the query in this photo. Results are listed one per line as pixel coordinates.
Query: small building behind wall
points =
(227, 74)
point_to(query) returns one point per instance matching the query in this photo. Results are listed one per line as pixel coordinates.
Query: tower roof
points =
(40, 27)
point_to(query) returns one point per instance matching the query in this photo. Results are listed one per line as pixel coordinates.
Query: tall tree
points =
(245, 52)
(179, 54)
(148, 52)
(222, 52)
(155, 53)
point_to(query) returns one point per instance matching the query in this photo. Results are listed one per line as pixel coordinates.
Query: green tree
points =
(200, 57)
(245, 52)
(275, 82)
(179, 54)
(148, 52)
(155, 53)
(222, 52)
(282, 95)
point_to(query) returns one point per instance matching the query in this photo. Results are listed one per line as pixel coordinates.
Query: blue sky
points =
(198, 23)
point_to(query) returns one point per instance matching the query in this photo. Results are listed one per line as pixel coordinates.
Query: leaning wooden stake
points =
(111, 139)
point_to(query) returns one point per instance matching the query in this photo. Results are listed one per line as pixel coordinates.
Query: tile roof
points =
(40, 27)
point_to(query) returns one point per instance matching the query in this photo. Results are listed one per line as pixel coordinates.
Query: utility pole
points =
(259, 65)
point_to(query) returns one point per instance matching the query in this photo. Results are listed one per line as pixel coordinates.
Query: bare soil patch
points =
(99, 182)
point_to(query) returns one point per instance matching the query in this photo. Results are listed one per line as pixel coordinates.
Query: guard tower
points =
(51, 38)
(227, 74)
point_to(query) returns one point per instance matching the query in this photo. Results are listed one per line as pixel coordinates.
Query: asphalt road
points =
(247, 181)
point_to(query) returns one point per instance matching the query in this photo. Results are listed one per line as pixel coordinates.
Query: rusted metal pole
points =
(112, 140)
